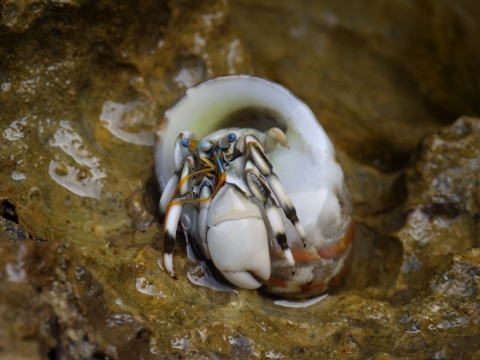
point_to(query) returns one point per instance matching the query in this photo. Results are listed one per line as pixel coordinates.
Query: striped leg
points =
(286, 204)
(180, 153)
(262, 193)
(261, 161)
(173, 212)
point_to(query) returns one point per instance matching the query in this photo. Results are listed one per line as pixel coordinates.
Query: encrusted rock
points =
(443, 205)
(83, 85)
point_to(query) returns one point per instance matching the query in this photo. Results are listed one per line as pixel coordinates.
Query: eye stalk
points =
(203, 145)
(225, 141)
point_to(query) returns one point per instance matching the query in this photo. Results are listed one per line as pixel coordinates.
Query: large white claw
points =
(242, 279)
(240, 246)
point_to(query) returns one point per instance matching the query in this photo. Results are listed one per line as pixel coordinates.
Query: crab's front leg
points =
(262, 193)
(173, 212)
(258, 156)
(180, 153)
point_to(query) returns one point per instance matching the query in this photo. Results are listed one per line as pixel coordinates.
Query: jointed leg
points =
(286, 204)
(261, 191)
(172, 215)
(180, 153)
(167, 194)
(261, 161)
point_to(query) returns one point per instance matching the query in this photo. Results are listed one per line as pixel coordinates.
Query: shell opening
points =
(258, 118)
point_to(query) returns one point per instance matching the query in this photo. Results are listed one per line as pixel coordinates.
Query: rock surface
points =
(82, 87)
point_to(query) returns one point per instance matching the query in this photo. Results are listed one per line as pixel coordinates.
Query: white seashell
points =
(309, 171)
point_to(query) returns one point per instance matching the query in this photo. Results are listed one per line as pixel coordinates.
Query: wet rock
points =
(461, 282)
(79, 115)
(446, 172)
(12, 231)
(446, 316)
(54, 308)
(82, 87)
(376, 262)
(137, 211)
(333, 56)
(443, 204)
(411, 346)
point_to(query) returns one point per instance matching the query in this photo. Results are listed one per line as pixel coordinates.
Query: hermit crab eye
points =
(231, 137)
(226, 140)
(186, 142)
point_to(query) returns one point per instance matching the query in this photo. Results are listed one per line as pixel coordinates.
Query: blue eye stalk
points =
(203, 145)
(226, 140)
(206, 145)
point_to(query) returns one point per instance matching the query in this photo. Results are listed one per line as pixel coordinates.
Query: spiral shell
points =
(309, 171)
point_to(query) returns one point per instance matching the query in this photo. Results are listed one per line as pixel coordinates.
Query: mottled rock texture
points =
(83, 85)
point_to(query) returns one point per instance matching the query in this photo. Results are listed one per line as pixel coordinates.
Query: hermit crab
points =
(250, 164)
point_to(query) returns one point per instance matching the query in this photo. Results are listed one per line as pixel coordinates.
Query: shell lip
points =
(165, 120)
(226, 78)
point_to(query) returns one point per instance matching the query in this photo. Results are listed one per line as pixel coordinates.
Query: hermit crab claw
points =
(254, 145)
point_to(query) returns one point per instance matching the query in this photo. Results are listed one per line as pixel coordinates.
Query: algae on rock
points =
(83, 85)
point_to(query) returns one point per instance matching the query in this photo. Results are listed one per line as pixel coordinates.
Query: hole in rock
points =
(52, 355)
(376, 260)
(381, 154)
(7, 210)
